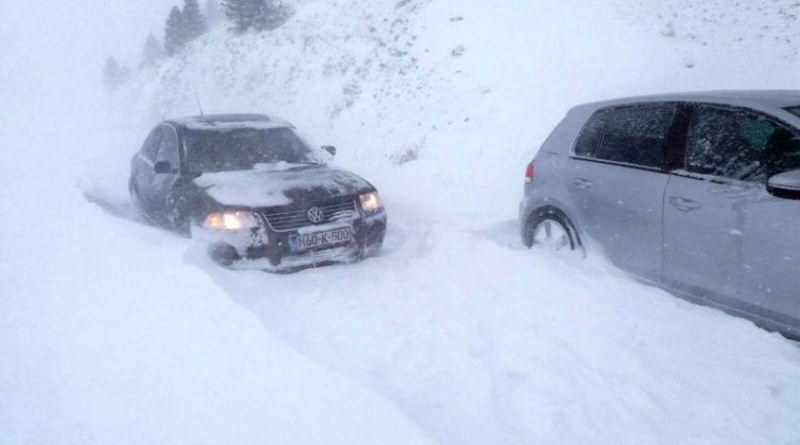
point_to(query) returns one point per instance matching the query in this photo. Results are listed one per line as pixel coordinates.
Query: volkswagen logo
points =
(315, 215)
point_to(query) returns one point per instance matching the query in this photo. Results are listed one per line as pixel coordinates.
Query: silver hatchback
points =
(698, 193)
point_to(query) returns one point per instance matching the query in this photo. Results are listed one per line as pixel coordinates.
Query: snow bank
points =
(129, 346)
(482, 343)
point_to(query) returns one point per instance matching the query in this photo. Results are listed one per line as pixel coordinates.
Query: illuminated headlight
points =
(230, 221)
(371, 202)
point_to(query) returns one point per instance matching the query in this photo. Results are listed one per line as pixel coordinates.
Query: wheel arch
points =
(557, 212)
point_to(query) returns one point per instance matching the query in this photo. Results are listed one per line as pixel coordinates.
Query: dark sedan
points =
(256, 192)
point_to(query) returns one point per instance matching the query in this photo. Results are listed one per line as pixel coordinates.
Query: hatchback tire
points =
(551, 229)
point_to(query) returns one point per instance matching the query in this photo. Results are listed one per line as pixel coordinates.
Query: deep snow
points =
(115, 332)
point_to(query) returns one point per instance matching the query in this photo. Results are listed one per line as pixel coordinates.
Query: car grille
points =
(297, 218)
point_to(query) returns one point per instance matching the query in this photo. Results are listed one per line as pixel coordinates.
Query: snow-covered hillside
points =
(115, 332)
(471, 87)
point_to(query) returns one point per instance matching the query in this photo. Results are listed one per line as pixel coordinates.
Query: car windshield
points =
(243, 148)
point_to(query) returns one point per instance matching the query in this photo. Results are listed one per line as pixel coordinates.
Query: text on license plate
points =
(320, 239)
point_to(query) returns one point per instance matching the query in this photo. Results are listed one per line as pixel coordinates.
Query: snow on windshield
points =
(243, 148)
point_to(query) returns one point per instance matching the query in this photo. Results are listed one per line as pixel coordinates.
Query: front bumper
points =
(267, 249)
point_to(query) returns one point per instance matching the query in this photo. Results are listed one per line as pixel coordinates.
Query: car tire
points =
(223, 254)
(551, 229)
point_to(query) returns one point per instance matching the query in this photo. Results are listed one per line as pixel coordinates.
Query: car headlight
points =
(230, 221)
(371, 202)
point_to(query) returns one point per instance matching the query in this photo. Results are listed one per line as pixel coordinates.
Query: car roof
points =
(761, 99)
(229, 121)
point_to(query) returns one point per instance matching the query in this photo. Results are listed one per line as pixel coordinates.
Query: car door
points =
(705, 206)
(771, 235)
(617, 181)
(162, 183)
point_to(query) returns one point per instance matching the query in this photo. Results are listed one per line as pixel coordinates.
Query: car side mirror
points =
(163, 167)
(330, 149)
(785, 185)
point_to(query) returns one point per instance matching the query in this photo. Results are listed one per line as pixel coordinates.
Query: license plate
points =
(320, 239)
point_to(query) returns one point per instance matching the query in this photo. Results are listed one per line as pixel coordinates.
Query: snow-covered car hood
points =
(280, 184)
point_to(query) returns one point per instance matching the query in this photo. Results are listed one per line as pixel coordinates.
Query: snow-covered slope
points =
(114, 332)
(473, 87)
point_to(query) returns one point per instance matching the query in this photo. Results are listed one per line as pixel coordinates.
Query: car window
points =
(740, 144)
(592, 133)
(635, 135)
(168, 147)
(243, 148)
(150, 146)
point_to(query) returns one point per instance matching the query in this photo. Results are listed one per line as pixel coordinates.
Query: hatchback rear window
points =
(635, 135)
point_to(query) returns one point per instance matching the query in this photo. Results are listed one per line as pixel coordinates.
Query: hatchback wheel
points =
(551, 230)
(551, 235)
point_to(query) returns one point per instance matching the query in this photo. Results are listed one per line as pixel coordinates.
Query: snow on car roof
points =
(231, 121)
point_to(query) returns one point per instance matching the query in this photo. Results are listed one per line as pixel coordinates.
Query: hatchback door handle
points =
(582, 183)
(683, 204)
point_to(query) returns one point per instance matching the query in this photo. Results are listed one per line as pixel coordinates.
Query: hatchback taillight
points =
(529, 173)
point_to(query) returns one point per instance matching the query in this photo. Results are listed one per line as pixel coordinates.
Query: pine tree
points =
(239, 12)
(174, 32)
(114, 74)
(194, 23)
(270, 15)
(214, 14)
(151, 52)
(254, 14)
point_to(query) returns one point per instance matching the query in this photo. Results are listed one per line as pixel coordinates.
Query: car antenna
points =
(198, 104)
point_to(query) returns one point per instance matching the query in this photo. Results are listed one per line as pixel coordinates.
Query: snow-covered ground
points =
(115, 332)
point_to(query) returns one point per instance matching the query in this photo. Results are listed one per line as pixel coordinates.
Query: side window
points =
(740, 144)
(168, 147)
(638, 135)
(589, 140)
(634, 135)
(781, 153)
(150, 146)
